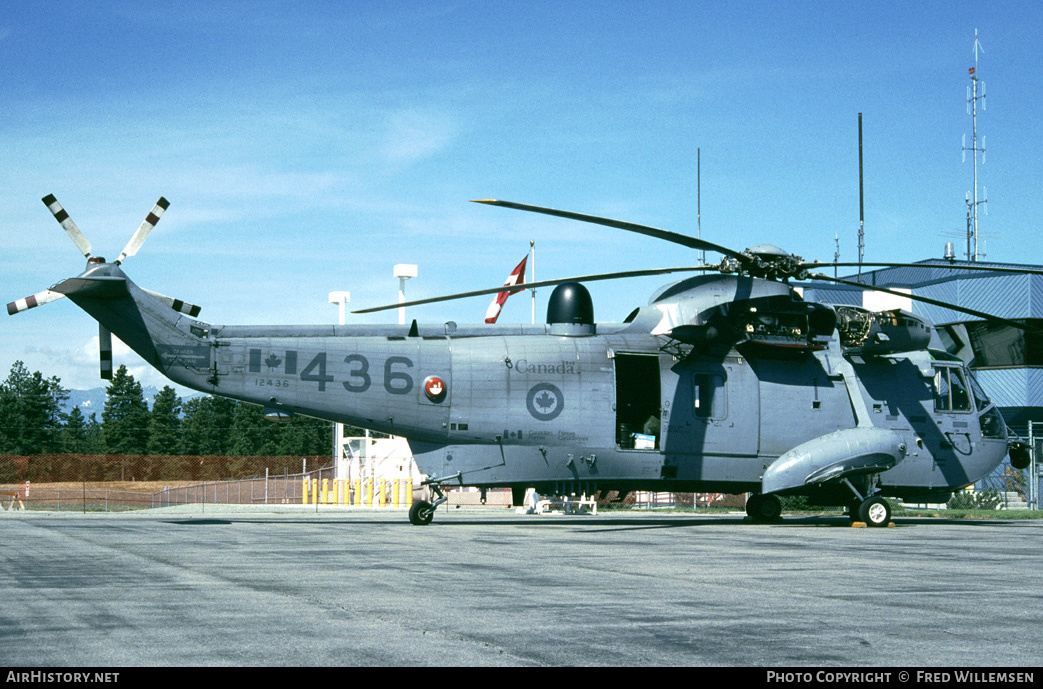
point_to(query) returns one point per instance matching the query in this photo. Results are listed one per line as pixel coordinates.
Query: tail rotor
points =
(84, 246)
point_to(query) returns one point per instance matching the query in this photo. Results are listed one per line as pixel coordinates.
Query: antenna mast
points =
(699, 201)
(972, 109)
(861, 204)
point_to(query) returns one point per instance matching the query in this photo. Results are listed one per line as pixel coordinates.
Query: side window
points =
(708, 395)
(941, 389)
(950, 390)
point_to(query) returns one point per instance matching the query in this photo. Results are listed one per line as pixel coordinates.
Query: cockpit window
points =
(950, 390)
(981, 400)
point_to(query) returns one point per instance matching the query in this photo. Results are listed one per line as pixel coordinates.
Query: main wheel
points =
(421, 514)
(764, 508)
(875, 512)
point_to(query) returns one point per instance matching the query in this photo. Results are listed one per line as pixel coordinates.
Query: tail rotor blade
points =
(78, 238)
(105, 351)
(139, 237)
(32, 301)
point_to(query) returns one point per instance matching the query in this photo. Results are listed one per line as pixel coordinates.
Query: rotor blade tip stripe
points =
(152, 219)
(163, 203)
(49, 199)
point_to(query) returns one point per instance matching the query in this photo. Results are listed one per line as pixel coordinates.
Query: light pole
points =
(340, 298)
(403, 271)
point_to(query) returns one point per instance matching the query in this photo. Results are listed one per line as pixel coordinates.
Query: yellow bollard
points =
(304, 495)
(325, 491)
(315, 491)
(358, 492)
(369, 492)
(396, 487)
(409, 492)
(381, 499)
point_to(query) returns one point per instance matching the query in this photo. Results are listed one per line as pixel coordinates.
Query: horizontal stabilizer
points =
(95, 286)
(850, 452)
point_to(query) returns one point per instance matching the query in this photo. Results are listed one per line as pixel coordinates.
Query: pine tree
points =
(75, 434)
(125, 419)
(165, 423)
(31, 416)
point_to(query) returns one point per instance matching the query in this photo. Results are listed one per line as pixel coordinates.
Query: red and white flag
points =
(517, 277)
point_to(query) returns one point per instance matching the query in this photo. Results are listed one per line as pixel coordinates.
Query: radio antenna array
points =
(974, 94)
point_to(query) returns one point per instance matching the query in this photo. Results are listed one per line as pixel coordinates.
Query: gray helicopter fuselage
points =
(569, 408)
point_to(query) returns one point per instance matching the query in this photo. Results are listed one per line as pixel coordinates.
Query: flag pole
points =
(532, 269)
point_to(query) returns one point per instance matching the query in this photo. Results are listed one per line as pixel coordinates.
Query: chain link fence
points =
(112, 483)
(122, 482)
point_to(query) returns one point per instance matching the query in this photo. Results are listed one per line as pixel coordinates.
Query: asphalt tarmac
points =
(296, 586)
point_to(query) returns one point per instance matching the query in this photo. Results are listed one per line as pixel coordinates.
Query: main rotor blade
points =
(33, 301)
(541, 283)
(682, 239)
(934, 302)
(139, 237)
(78, 238)
(996, 269)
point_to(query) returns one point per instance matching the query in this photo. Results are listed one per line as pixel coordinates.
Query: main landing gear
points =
(874, 511)
(764, 509)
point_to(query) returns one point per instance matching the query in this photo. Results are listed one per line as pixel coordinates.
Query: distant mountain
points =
(93, 401)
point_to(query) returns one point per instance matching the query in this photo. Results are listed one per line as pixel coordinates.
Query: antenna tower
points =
(971, 198)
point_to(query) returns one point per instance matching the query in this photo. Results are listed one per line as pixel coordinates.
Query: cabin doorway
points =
(638, 401)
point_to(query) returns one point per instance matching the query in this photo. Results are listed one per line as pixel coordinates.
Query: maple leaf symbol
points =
(545, 401)
(272, 361)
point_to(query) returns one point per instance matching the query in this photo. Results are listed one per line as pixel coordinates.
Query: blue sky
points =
(308, 147)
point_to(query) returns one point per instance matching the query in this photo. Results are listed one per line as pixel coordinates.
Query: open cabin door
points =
(638, 401)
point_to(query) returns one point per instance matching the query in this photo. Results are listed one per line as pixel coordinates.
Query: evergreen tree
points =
(251, 434)
(125, 419)
(165, 423)
(31, 416)
(75, 437)
(206, 425)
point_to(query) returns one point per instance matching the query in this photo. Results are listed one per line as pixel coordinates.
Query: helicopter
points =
(726, 381)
